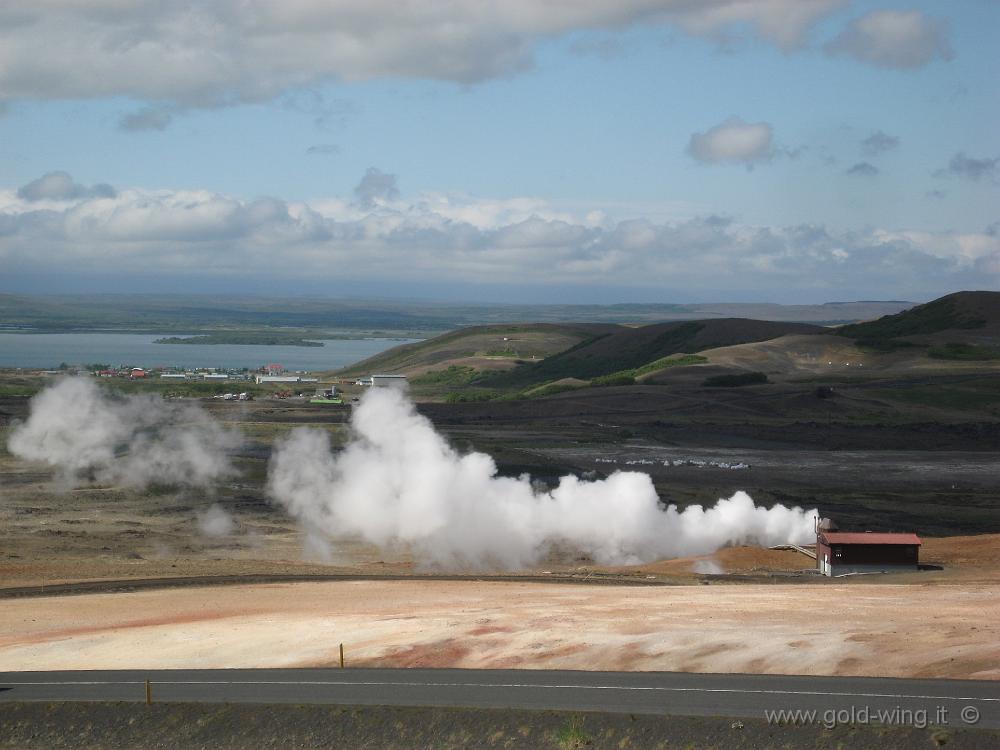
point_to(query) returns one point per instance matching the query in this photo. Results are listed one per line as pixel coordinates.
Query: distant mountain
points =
(202, 313)
(828, 313)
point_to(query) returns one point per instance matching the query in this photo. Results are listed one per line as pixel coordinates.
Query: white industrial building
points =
(389, 381)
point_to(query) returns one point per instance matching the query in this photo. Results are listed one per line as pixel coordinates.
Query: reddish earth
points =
(933, 629)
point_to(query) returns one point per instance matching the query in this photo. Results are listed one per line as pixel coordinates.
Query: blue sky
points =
(650, 150)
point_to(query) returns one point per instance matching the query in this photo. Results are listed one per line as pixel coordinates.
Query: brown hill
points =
(502, 345)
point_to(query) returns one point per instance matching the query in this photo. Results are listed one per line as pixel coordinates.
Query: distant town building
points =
(137, 372)
(273, 369)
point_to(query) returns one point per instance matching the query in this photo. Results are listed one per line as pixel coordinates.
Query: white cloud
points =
(442, 239)
(734, 141)
(207, 54)
(893, 39)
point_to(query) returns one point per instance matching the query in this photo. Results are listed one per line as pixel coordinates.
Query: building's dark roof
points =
(867, 537)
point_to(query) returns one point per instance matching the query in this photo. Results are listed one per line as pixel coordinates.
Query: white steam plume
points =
(398, 481)
(215, 521)
(135, 440)
(707, 566)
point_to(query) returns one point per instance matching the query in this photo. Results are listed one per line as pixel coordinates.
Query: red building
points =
(841, 552)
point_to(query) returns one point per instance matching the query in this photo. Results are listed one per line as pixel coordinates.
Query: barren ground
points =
(764, 615)
(878, 629)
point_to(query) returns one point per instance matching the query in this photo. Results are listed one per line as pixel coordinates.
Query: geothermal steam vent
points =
(398, 481)
(135, 440)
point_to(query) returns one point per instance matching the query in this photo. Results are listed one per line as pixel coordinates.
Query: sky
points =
(501, 151)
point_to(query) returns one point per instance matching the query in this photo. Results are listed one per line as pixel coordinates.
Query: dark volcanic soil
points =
(858, 456)
(177, 726)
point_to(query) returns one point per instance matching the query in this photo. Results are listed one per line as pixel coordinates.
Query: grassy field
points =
(980, 396)
(461, 357)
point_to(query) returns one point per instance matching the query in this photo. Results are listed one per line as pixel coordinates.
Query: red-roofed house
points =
(841, 552)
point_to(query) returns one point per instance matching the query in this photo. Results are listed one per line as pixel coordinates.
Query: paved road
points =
(617, 692)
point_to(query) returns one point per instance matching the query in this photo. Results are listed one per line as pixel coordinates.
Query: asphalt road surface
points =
(956, 703)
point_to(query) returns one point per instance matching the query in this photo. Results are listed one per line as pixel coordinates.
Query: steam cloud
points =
(135, 441)
(707, 566)
(215, 522)
(398, 481)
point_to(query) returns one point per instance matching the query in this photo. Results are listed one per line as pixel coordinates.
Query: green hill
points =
(959, 311)
(964, 325)
(631, 348)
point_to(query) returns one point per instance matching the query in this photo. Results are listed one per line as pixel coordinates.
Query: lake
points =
(48, 350)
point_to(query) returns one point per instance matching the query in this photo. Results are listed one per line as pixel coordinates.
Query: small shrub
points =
(572, 736)
(615, 378)
(471, 396)
(549, 390)
(735, 380)
(671, 361)
(963, 352)
(884, 346)
(453, 375)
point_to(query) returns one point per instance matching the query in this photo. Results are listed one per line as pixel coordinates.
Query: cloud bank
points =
(462, 241)
(211, 54)
(399, 483)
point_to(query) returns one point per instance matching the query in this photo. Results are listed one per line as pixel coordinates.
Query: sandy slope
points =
(941, 630)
